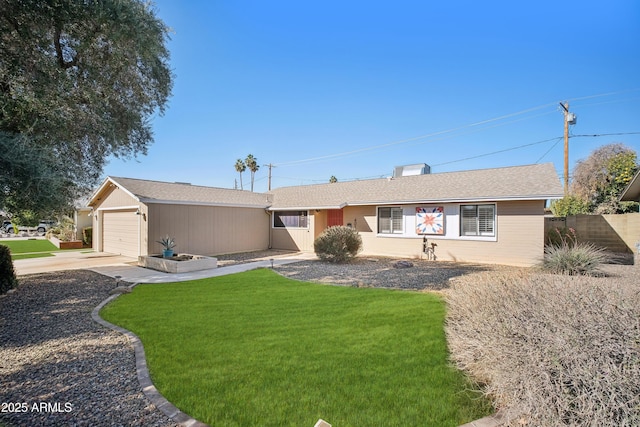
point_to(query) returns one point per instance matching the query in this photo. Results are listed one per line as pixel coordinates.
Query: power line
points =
(556, 139)
(605, 134)
(498, 152)
(549, 150)
(329, 156)
(374, 147)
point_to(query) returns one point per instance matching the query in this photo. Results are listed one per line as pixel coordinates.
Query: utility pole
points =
(269, 180)
(569, 119)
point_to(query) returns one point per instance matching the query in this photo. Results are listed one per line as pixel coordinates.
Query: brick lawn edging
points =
(148, 388)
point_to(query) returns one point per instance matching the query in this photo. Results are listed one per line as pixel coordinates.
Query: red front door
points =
(334, 217)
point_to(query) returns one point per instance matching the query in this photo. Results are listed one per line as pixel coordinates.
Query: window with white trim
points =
(390, 220)
(291, 219)
(477, 220)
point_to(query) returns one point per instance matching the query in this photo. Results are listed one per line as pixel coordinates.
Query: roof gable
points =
(147, 191)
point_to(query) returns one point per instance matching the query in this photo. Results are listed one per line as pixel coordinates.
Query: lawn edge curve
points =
(144, 378)
(169, 409)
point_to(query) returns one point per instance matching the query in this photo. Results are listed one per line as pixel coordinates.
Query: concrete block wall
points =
(617, 233)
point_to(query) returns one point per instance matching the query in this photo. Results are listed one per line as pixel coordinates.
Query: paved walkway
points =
(134, 274)
(117, 265)
(68, 261)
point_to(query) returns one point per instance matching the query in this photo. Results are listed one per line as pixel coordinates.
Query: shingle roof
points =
(166, 192)
(532, 182)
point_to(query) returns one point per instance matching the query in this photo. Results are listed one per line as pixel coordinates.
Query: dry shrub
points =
(337, 244)
(550, 350)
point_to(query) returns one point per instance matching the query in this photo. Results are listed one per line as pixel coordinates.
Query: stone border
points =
(148, 388)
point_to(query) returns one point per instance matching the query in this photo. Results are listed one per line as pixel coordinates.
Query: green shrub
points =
(572, 258)
(7, 274)
(87, 236)
(550, 350)
(337, 244)
(570, 205)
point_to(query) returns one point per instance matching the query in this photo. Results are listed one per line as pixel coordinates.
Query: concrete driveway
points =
(69, 261)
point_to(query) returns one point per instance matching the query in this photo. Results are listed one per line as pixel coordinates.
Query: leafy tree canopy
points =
(600, 179)
(79, 81)
(569, 205)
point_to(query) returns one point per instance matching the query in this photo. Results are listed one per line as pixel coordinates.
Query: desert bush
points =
(550, 350)
(65, 231)
(337, 244)
(581, 258)
(7, 274)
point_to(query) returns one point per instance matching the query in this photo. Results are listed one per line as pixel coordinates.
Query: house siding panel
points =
(208, 230)
(117, 198)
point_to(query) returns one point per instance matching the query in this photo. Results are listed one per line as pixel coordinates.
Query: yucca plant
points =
(167, 242)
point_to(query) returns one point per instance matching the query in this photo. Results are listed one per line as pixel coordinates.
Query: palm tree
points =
(333, 179)
(252, 164)
(241, 167)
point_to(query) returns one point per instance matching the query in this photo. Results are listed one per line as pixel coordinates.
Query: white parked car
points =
(42, 227)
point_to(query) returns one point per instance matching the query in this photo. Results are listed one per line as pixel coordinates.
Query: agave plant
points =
(168, 242)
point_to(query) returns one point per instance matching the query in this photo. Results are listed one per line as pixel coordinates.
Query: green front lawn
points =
(24, 246)
(34, 255)
(258, 349)
(23, 249)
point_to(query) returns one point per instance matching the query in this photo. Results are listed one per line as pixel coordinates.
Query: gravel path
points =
(58, 367)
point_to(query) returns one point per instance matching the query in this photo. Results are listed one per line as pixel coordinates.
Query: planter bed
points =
(181, 263)
(74, 244)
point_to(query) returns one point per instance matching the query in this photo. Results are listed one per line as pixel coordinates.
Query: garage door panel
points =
(120, 232)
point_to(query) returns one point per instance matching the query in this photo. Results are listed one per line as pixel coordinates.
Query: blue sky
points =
(354, 88)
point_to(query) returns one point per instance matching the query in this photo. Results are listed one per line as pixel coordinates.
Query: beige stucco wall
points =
(207, 230)
(519, 236)
(83, 218)
(203, 230)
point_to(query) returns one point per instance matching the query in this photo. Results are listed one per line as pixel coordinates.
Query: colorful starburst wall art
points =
(430, 220)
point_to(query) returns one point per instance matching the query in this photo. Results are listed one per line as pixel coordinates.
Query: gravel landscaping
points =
(389, 273)
(58, 367)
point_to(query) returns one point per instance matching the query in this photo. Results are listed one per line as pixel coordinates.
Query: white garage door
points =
(120, 232)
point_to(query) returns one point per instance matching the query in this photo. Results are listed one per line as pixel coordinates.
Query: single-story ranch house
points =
(487, 216)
